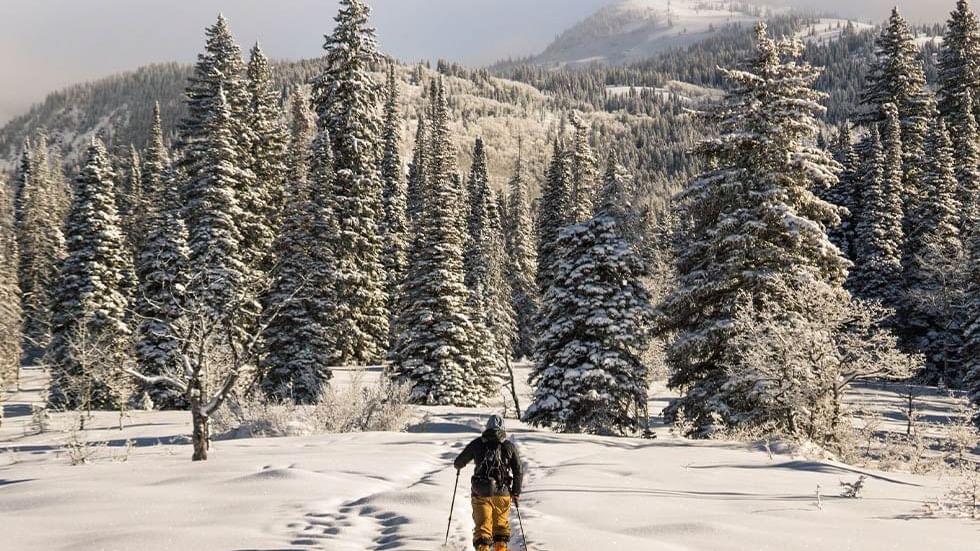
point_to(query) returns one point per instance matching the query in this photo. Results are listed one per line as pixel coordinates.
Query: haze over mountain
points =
(52, 44)
(48, 45)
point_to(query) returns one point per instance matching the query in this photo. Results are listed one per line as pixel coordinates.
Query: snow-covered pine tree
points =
(896, 77)
(220, 71)
(588, 376)
(40, 243)
(880, 236)
(298, 347)
(220, 66)
(217, 271)
(966, 147)
(584, 172)
(437, 349)
(485, 261)
(522, 263)
(130, 200)
(262, 202)
(847, 192)
(395, 193)
(10, 309)
(347, 103)
(22, 184)
(161, 272)
(156, 157)
(554, 213)
(937, 292)
(90, 337)
(417, 174)
(752, 230)
(959, 63)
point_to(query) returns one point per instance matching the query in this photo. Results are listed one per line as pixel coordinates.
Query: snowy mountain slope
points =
(829, 29)
(633, 30)
(392, 491)
(500, 111)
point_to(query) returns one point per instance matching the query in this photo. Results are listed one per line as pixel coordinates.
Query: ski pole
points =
(520, 522)
(451, 507)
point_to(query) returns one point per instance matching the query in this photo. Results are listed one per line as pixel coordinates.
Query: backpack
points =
(490, 475)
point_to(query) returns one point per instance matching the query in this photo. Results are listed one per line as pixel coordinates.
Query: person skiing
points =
(496, 481)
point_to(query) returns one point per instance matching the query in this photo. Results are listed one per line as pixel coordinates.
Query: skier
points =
(496, 480)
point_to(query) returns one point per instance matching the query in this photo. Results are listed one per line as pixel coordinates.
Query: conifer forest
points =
(715, 265)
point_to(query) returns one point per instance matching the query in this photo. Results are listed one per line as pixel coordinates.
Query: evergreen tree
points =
(896, 77)
(298, 346)
(959, 63)
(754, 233)
(395, 193)
(40, 243)
(217, 272)
(584, 173)
(437, 350)
(156, 157)
(347, 105)
(215, 147)
(89, 337)
(588, 376)
(485, 261)
(966, 147)
(522, 264)
(161, 270)
(130, 201)
(10, 309)
(262, 202)
(847, 193)
(936, 296)
(553, 214)
(417, 174)
(879, 233)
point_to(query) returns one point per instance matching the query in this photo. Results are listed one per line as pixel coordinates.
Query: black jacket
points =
(477, 450)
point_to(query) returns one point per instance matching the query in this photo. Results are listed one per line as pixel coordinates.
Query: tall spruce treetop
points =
(156, 158)
(938, 236)
(584, 172)
(211, 210)
(966, 146)
(437, 349)
(959, 61)
(523, 262)
(847, 192)
(754, 226)
(880, 233)
(220, 66)
(348, 105)
(90, 315)
(10, 307)
(395, 191)
(897, 77)
(554, 212)
(417, 174)
(485, 258)
(262, 202)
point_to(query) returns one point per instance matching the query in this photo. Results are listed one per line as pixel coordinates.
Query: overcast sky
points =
(48, 44)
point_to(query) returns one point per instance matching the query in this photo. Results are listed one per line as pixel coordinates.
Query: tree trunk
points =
(200, 436)
(513, 387)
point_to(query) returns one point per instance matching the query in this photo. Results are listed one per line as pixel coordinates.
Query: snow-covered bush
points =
(356, 407)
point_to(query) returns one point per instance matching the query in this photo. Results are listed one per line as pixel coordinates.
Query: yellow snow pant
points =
(492, 518)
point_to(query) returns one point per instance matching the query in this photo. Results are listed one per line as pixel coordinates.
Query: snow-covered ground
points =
(828, 30)
(388, 491)
(683, 91)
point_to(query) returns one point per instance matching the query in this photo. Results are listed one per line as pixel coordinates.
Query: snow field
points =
(388, 491)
